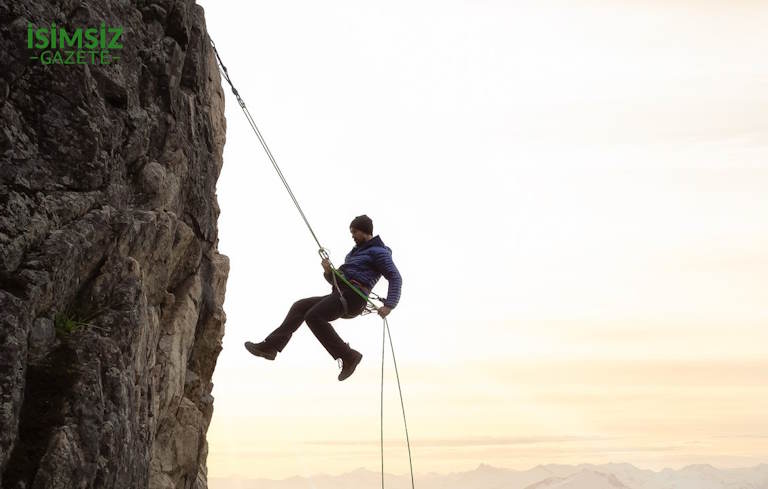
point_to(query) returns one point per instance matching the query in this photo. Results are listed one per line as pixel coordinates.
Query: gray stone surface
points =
(111, 285)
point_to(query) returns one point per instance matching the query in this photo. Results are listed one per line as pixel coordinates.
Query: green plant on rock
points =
(65, 324)
(68, 322)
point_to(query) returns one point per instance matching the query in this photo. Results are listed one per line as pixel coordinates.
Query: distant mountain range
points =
(552, 476)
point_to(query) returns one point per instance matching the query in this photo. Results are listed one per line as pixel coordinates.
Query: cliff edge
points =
(111, 285)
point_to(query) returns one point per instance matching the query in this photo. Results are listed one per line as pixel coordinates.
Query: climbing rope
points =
(225, 74)
(402, 405)
(324, 254)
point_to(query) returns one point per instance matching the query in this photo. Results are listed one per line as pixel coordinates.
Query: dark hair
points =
(363, 223)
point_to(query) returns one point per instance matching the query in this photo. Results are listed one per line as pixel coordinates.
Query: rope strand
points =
(324, 254)
(381, 402)
(402, 404)
(255, 128)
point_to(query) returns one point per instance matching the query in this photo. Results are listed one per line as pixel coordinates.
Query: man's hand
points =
(326, 265)
(384, 310)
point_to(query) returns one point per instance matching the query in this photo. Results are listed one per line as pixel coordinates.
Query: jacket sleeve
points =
(329, 275)
(387, 268)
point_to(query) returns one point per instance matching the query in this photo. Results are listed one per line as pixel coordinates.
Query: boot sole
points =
(251, 347)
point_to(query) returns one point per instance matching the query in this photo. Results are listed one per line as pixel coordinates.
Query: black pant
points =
(317, 312)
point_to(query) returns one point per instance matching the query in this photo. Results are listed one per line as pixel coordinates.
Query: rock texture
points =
(111, 286)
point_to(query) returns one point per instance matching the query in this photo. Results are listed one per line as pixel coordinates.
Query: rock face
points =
(111, 286)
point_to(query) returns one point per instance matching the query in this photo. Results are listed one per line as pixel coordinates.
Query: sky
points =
(575, 196)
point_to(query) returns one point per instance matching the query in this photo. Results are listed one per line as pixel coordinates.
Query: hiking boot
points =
(349, 363)
(261, 350)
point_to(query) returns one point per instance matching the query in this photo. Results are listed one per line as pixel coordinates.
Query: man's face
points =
(358, 235)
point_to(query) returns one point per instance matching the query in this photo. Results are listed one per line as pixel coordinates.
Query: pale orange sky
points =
(574, 193)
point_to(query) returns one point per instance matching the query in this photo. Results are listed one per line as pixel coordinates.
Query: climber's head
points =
(361, 228)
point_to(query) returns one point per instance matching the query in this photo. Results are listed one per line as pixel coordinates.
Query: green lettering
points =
(30, 33)
(91, 38)
(42, 38)
(103, 36)
(75, 40)
(45, 57)
(115, 43)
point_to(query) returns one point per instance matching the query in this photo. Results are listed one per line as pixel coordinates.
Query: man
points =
(369, 259)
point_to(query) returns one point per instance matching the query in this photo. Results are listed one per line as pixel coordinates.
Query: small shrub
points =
(66, 324)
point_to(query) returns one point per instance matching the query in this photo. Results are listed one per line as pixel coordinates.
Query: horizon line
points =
(483, 465)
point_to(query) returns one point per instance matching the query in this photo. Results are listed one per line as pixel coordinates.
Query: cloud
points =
(744, 435)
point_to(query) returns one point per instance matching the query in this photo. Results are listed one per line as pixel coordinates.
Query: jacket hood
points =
(375, 241)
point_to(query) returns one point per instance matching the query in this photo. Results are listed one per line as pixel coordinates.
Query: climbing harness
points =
(347, 314)
(370, 306)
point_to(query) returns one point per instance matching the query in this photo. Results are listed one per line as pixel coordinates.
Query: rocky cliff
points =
(111, 286)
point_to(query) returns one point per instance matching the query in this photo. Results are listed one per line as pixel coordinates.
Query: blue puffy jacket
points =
(367, 262)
